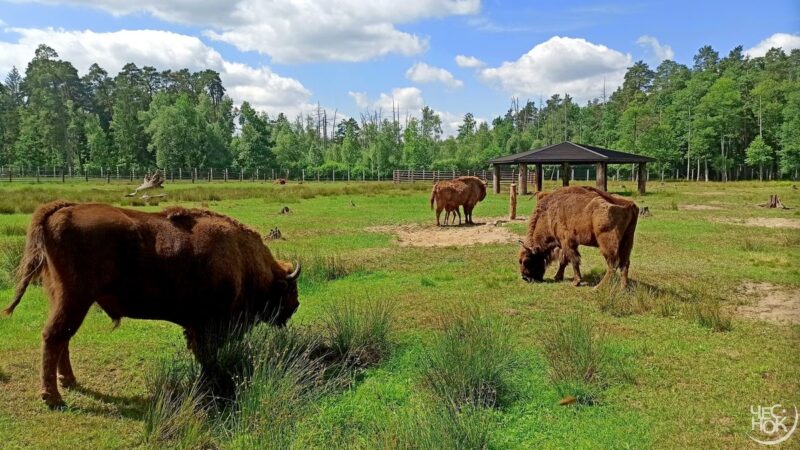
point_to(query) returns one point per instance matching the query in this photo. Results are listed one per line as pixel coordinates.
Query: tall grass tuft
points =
(358, 335)
(709, 314)
(11, 251)
(470, 362)
(274, 397)
(620, 302)
(576, 356)
(433, 425)
(177, 415)
(329, 267)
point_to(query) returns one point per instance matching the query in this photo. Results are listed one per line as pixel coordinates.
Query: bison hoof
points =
(53, 401)
(558, 278)
(576, 283)
(66, 382)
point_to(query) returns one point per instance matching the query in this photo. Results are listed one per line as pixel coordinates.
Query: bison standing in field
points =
(194, 268)
(452, 194)
(573, 216)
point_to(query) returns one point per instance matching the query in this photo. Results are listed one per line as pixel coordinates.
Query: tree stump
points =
(774, 202)
(512, 201)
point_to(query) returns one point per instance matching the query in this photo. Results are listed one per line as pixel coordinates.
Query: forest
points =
(723, 118)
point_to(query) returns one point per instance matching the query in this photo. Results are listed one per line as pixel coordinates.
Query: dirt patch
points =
(768, 222)
(773, 303)
(452, 236)
(698, 207)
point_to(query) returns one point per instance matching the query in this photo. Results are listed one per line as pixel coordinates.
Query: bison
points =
(452, 194)
(191, 267)
(573, 216)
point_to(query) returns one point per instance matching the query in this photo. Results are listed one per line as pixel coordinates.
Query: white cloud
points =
(260, 86)
(408, 100)
(300, 31)
(360, 99)
(661, 52)
(423, 73)
(451, 122)
(559, 65)
(469, 62)
(785, 41)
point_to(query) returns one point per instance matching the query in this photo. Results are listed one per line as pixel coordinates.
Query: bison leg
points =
(66, 378)
(438, 214)
(458, 211)
(624, 275)
(561, 266)
(607, 276)
(571, 254)
(61, 326)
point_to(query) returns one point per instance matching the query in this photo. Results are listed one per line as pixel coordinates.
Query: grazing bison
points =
(452, 194)
(573, 216)
(195, 268)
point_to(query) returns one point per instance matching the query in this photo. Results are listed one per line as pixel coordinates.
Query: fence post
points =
(38, 174)
(254, 179)
(273, 174)
(333, 172)
(108, 176)
(303, 175)
(226, 175)
(210, 174)
(9, 174)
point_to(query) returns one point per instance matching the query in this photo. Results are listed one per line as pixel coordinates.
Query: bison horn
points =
(522, 243)
(295, 273)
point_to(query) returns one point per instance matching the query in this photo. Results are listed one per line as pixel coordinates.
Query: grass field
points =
(474, 357)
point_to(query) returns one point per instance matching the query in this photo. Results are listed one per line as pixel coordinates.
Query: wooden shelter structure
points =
(565, 154)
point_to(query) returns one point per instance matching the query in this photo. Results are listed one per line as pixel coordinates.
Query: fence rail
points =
(10, 174)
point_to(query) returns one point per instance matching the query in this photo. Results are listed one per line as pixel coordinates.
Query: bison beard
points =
(195, 268)
(573, 216)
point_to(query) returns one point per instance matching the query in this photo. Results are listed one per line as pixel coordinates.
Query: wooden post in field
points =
(512, 202)
(523, 178)
(538, 177)
(642, 178)
(600, 179)
(565, 174)
(303, 175)
(108, 176)
(495, 179)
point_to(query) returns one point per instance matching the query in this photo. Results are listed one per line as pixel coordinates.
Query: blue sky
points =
(351, 55)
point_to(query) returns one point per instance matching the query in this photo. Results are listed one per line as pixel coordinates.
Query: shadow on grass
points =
(130, 407)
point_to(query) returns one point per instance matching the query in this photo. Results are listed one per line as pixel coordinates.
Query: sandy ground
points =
(698, 207)
(772, 303)
(768, 222)
(488, 230)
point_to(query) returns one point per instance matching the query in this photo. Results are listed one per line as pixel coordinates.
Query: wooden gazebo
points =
(565, 154)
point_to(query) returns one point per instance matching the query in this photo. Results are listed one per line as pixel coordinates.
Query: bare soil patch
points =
(698, 207)
(768, 222)
(772, 303)
(487, 232)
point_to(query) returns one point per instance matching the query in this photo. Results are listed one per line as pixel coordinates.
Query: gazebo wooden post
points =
(496, 178)
(537, 177)
(602, 184)
(523, 178)
(642, 177)
(565, 174)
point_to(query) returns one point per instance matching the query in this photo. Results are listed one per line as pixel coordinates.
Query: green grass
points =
(677, 367)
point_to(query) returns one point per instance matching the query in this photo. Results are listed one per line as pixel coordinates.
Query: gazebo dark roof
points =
(568, 152)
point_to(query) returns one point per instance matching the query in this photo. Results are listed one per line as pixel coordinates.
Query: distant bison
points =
(195, 268)
(573, 216)
(449, 195)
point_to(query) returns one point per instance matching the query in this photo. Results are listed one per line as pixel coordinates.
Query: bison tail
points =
(433, 196)
(34, 257)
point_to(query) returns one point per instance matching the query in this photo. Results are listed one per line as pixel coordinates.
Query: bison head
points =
(284, 298)
(532, 263)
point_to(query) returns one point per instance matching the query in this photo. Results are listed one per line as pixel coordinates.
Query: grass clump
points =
(359, 335)
(431, 425)
(620, 302)
(177, 414)
(13, 230)
(11, 251)
(329, 268)
(576, 356)
(709, 314)
(470, 362)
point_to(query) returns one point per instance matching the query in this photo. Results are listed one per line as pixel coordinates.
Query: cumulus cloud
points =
(291, 31)
(785, 41)
(360, 98)
(260, 86)
(423, 73)
(469, 62)
(661, 52)
(559, 65)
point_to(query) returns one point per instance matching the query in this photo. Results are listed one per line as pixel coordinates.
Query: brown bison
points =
(195, 268)
(573, 216)
(452, 194)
